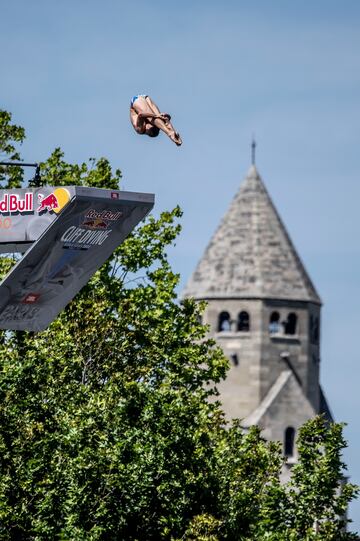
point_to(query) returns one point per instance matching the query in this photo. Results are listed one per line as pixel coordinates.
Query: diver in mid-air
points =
(147, 119)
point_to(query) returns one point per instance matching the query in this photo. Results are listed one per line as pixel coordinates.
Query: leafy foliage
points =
(10, 177)
(313, 504)
(107, 430)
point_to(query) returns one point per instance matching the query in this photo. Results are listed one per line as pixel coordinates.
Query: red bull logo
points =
(96, 223)
(49, 202)
(104, 215)
(13, 203)
(54, 202)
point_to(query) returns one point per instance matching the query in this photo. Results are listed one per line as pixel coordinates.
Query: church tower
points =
(264, 311)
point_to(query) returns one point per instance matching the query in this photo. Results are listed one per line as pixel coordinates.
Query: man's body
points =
(147, 119)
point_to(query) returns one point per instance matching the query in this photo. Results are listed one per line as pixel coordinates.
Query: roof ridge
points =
(290, 242)
(254, 417)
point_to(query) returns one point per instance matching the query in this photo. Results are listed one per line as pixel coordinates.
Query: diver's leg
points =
(140, 105)
(167, 128)
(163, 126)
(155, 108)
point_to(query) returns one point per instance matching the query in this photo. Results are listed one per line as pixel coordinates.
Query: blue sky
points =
(287, 71)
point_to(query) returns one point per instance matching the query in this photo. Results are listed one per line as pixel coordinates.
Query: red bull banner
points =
(75, 232)
(26, 213)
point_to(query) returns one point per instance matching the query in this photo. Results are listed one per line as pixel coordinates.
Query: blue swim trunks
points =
(134, 98)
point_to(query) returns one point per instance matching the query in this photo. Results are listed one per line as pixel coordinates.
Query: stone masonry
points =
(264, 311)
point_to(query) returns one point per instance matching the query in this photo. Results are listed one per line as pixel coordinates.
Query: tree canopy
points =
(107, 430)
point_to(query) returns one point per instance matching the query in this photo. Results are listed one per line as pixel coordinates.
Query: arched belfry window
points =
(243, 322)
(274, 323)
(290, 324)
(224, 322)
(289, 441)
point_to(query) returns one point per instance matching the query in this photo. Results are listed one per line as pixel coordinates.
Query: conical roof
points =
(251, 254)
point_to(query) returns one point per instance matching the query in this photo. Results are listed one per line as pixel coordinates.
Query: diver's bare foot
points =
(177, 139)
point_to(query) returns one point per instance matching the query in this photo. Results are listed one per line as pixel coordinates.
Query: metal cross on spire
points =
(253, 148)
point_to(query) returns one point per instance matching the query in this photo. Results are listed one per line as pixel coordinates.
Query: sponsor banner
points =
(68, 252)
(26, 213)
(12, 203)
(26, 202)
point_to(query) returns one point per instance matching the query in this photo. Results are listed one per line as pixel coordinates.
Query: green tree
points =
(313, 505)
(10, 134)
(106, 427)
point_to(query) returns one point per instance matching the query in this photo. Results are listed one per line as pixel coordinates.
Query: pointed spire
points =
(253, 149)
(251, 253)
